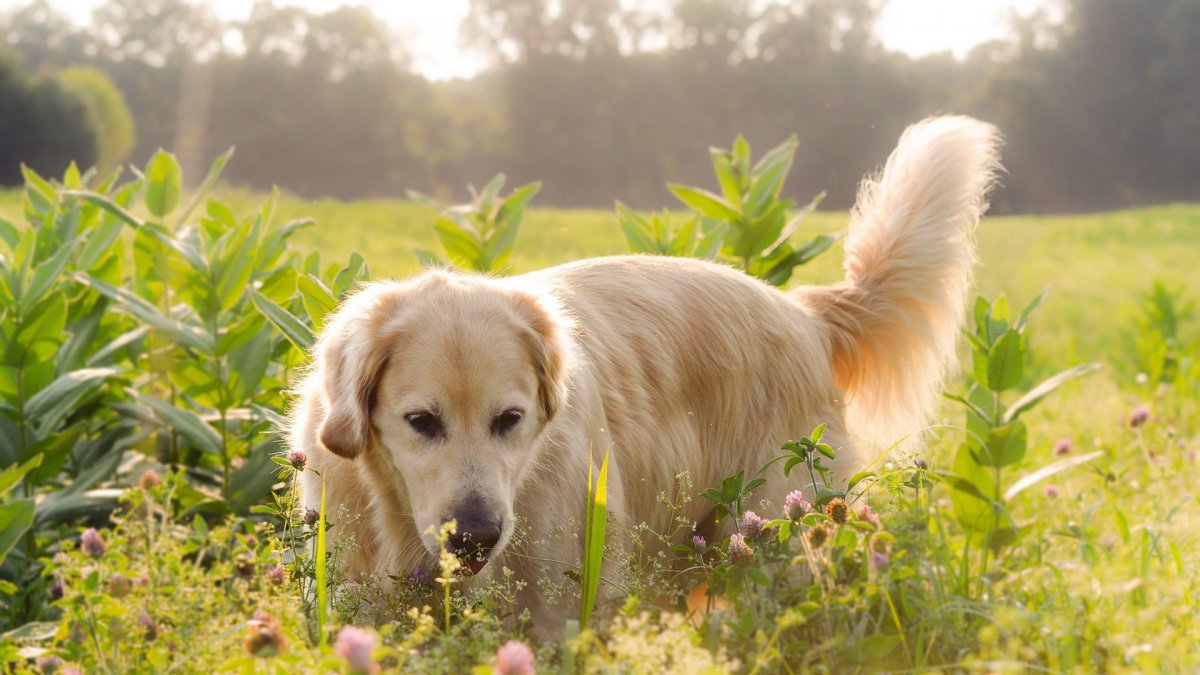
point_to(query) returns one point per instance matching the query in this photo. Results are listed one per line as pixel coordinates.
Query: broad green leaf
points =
(462, 245)
(318, 300)
(1023, 319)
(46, 274)
(187, 423)
(15, 519)
(135, 305)
(1005, 445)
(636, 230)
(1006, 362)
(163, 183)
(50, 406)
(9, 233)
(99, 242)
(12, 474)
(705, 202)
(58, 507)
(291, 327)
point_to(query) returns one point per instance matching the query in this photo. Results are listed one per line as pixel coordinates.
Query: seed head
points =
(264, 637)
(92, 543)
(817, 536)
(795, 505)
(297, 459)
(739, 551)
(119, 585)
(149, 480)
(355, 645)
(513, 658)
(836, 509)
(149, 627)
(1139, 416)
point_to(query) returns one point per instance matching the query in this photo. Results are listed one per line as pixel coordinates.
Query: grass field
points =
(1103, 575)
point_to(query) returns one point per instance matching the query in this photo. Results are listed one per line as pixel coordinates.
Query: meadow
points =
(1084, 561)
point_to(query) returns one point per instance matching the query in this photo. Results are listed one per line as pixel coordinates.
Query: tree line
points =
(603, 100)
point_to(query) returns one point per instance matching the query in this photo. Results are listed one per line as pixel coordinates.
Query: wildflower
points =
(867, 514)
(1063, 446)
(119, 585)
(700, 544)
(311, 515)
(513, 658)
(418, 575)
(49, 664)
(92, 543)
(1052, 491)
(740, 552)
(879, 560)
(149, 627)
(275, 574)
(141, 582)
(244, 565)
(297, 459)
(55, 590)
(817, 536)
(149, 480)
(1139, 416)
(921, 464)
(265, 636)
(795, 505)
(836, 509)
(753, 525)
(355, 645)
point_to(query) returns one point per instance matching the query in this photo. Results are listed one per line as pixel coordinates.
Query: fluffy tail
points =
(909, 254)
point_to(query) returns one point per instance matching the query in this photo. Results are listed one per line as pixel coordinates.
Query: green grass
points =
(1105, 575)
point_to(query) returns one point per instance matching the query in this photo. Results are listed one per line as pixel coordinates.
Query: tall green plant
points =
(480, 234)
(748, 223)
(996, 437)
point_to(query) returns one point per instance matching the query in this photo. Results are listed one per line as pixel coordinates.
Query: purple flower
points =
(753, 525)
(92, 543)
(297, 459)
(700, 544)
(921, 464)
(275, 574)
(149, 627)
(867, 514)
(311, 515)
(355, 645)
(795, 505)
(1139, 416)
(264, 636)
(55, 590)
(879, 560)
(1052, 491)
(418, 575)
(49, 664)
(119, 585)
(513, 658)
(1063, 446)
(740, 552)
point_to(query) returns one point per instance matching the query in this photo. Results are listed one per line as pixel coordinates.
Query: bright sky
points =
(918, 27)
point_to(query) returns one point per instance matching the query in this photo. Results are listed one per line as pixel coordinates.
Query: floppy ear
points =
(351, 355)
(547, 333)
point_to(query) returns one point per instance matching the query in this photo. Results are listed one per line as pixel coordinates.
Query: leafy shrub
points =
(480, 234)
(41, 125)
(107, 113)
(747, 225)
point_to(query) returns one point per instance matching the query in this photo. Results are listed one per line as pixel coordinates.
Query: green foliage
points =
(1159, 351)
(596, 522)
(748, 223)
(996, 436)
(480, 234)
(108, 114)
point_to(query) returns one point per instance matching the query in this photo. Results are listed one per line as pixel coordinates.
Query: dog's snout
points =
(476, 534)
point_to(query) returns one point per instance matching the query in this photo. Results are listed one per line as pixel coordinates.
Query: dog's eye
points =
(426, 423)
(505, 421)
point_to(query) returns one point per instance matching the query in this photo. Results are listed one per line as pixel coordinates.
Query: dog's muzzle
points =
(474, 538)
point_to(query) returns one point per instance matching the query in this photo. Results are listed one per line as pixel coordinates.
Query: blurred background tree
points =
(604, 100)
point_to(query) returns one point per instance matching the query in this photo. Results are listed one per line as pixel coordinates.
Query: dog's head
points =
(448, 381)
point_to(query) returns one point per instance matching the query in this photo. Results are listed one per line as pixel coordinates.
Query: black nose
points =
(474, 538)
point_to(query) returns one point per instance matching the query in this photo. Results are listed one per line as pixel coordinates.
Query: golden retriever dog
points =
(478, 399)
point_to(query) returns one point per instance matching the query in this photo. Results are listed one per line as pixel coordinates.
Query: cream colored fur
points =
(676, 365)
